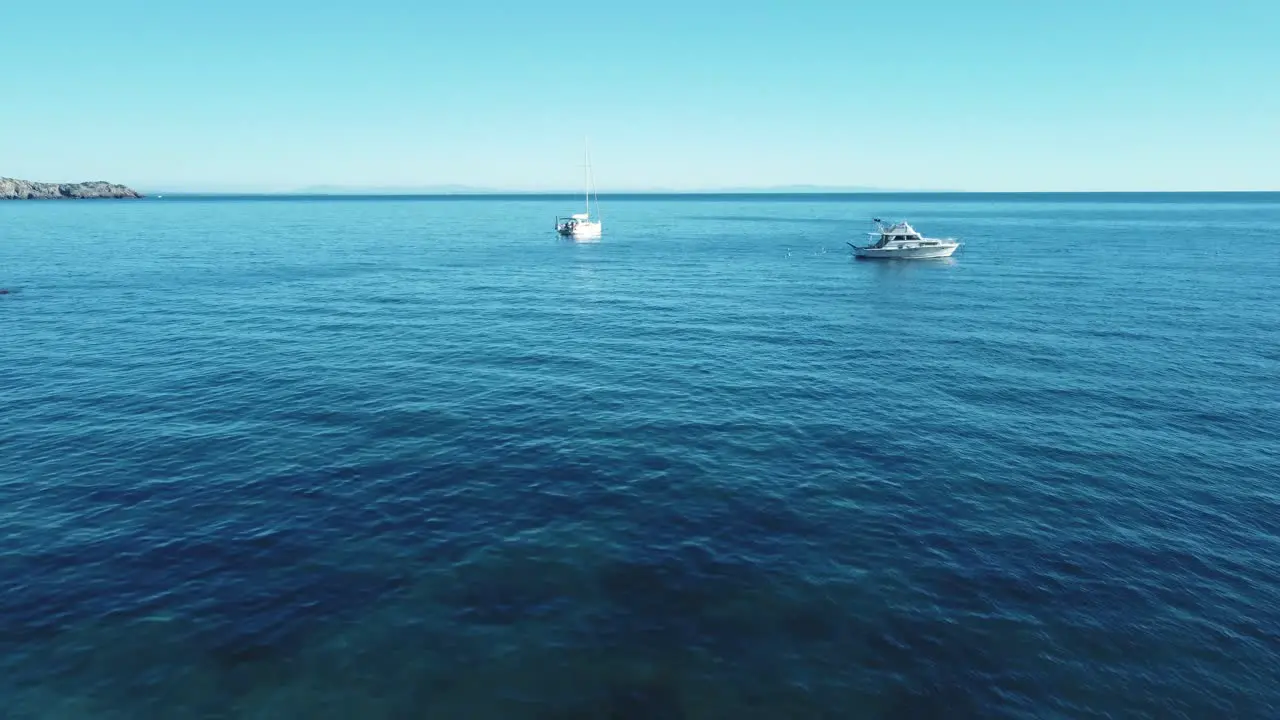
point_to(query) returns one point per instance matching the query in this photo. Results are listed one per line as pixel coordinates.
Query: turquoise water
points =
(389, 458)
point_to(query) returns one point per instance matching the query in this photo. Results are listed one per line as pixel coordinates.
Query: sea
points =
(420, 457)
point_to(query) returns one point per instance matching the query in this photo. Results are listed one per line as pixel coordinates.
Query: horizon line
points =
(426, 192)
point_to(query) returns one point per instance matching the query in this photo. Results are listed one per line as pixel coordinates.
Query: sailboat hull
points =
(583, 230)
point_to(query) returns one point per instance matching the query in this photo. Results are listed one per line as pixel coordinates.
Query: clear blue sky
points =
(1088, 95)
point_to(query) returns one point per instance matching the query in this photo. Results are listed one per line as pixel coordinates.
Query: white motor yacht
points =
(900, 240)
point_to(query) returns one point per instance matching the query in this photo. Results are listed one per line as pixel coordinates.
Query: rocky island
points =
(11, 189)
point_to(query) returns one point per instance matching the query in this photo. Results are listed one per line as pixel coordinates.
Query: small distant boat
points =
(580, 226)
(901, 241)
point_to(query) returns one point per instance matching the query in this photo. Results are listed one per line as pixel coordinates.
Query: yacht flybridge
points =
(900, 240)
(580, 226)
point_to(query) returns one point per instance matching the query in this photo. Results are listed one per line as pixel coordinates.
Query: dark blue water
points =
(396, 458)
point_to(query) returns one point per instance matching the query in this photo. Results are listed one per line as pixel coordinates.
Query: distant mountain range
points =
(396, 190)
(473, 190)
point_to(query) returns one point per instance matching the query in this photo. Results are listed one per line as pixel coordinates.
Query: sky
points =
(263, 95)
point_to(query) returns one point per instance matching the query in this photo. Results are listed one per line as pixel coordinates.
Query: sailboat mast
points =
(586, 174)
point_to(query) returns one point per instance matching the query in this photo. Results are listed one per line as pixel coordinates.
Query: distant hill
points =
(472, 190)
(443, 189)
(11, 189)
(395, 190)
(803, 189)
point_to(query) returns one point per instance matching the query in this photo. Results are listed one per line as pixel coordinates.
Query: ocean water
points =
(420, 458)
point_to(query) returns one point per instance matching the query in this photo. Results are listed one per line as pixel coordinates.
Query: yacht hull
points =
(925, 252)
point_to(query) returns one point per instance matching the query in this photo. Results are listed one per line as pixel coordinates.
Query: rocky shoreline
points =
(11, 189)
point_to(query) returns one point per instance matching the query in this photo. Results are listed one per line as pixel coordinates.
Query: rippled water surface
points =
(421, 458)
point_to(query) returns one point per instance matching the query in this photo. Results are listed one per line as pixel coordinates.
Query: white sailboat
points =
(580, 226)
